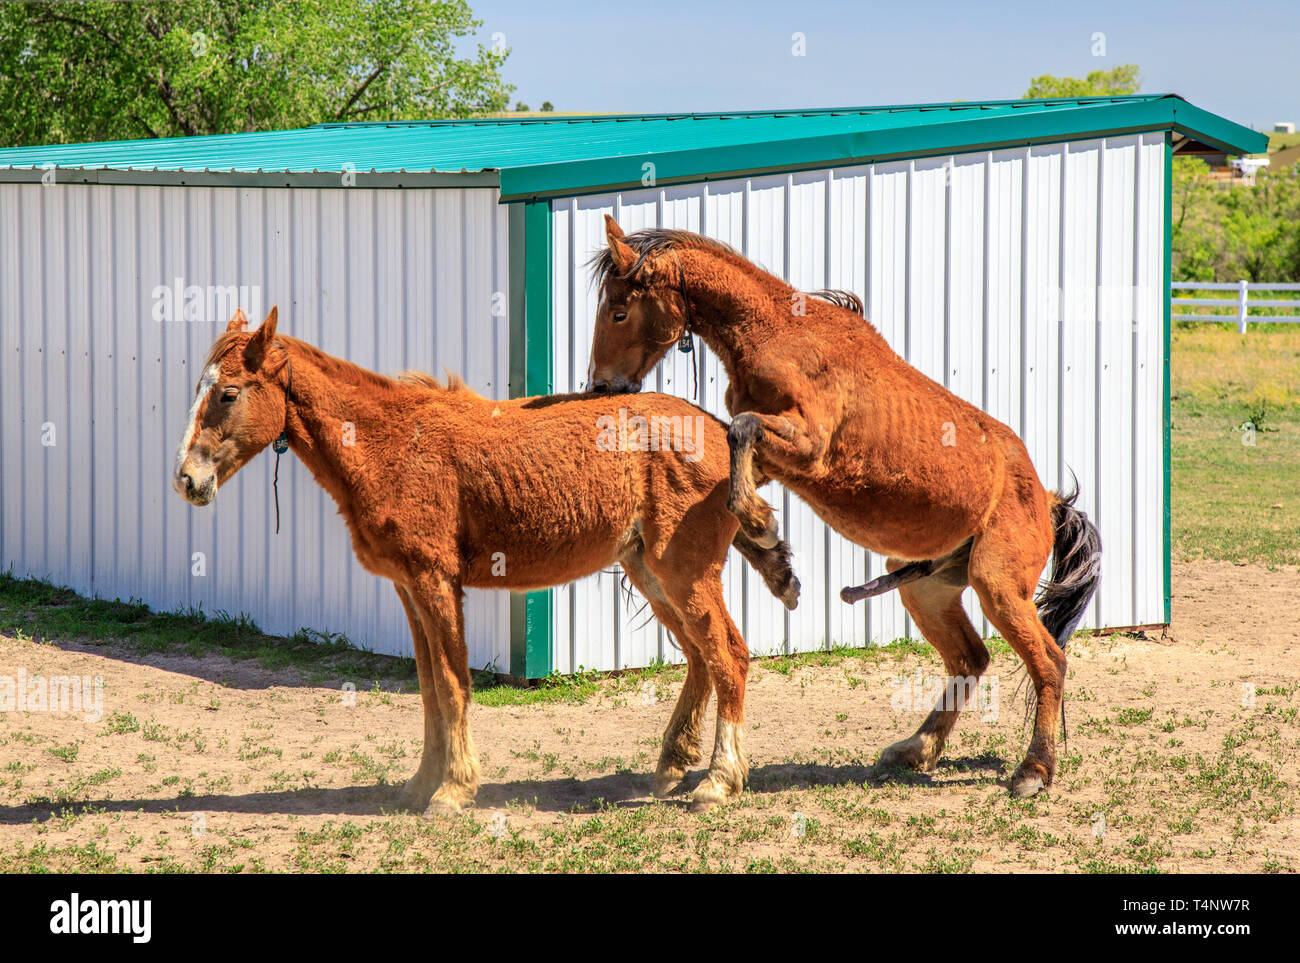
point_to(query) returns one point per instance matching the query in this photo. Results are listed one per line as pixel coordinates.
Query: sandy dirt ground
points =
(1182, 757)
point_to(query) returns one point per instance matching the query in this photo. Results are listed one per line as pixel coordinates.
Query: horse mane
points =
(654, 240)
(425, 380)
(229, 339)
(841, 299)
(651, 241)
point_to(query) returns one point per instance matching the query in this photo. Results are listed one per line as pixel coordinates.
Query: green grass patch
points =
(1236, 444)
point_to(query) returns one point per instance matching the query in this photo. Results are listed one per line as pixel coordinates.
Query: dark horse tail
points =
(1076, 570)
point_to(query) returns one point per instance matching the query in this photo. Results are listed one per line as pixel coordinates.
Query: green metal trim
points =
(531, 348)
(563, 118)
(299, 179)
(1168, 398)
(537, 292)
(518, 306)
(871, 144)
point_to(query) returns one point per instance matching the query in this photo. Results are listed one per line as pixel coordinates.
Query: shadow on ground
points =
(622, 789)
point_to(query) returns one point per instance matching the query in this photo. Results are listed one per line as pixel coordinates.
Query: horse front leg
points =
(438, 601)
(419, 789)
(785, 447)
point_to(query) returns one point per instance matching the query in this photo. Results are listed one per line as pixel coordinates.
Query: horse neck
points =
(741, 310)
(735, 306)
(327, 394)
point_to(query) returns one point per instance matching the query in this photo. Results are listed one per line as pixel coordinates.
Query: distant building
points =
(1284, 127)
(1247, 167)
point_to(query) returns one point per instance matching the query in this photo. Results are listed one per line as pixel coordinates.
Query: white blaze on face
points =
(206, 384)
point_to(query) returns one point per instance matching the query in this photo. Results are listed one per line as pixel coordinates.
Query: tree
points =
(1195, 221)
(1100, 83)
(95, 71)
(1235, 232)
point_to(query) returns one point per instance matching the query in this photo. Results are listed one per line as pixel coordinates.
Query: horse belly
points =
(537, 535)
(533, 564)
(894, 523)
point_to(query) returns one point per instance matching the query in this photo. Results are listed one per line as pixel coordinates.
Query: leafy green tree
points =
(1115, 82)
(1225, 231)
(1195, 221)
(95, 71)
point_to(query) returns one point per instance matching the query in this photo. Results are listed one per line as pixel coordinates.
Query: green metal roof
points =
(535, 157)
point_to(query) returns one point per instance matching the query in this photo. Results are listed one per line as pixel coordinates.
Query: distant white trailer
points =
(1015, 251)
(1248, 167)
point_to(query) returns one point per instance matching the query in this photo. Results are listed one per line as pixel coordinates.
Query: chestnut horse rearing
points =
(886, 456)
(443, 489)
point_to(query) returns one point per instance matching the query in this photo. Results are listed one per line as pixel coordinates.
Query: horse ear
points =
(260, 342)
(624, 257)
(239, 322)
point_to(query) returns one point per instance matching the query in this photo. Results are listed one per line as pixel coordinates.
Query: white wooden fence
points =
(1240, 307)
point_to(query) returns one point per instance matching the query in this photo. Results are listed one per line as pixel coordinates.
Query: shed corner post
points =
(1166, 280)
(531, 368)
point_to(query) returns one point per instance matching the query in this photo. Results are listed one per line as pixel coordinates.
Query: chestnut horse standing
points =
(886, 456)
(443, 489)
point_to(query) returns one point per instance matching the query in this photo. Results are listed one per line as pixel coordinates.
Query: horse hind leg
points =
(935, 606)
(774, 565)
(705, 620)
(681, 742)
(1004, 573)
(689, 573)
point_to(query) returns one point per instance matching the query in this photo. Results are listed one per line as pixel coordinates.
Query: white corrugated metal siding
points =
(389, 279)
(1028, 281)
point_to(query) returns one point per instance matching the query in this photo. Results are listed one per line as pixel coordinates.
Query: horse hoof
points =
(447, 804)
(412, 803)
(1027, 781)
(667, 780)
(911, 753)
(710, 793)
(790, 598)
(707, 795)
(413, 796)
(1026, 786)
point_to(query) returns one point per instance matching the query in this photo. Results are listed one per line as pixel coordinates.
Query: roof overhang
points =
(316, 179)
(954, 135)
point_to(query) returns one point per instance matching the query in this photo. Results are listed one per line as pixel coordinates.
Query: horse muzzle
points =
(195, 487)
(617, 385)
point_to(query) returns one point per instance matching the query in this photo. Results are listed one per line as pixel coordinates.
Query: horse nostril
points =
(188, 481)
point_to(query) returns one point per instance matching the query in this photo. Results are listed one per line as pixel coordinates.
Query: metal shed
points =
(1016, 251)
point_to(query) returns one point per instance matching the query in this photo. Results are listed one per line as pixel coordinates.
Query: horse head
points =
(240, 406)
(643, 307)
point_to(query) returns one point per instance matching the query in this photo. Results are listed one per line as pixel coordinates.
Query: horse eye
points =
(229, 395)
(620, 316)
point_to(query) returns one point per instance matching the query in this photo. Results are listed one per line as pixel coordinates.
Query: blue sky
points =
(1238, 60)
